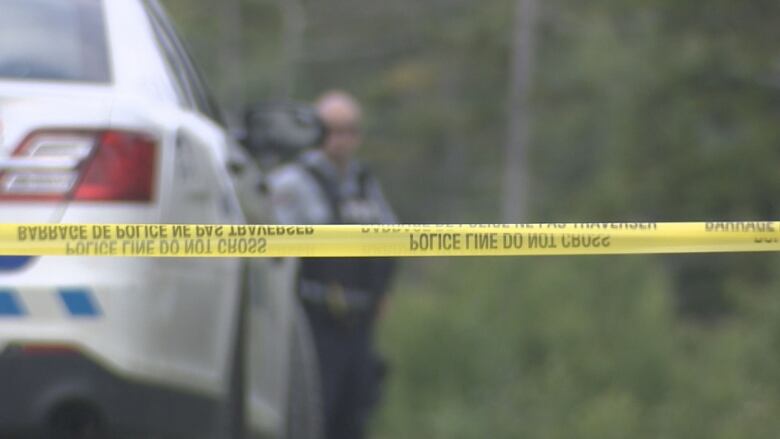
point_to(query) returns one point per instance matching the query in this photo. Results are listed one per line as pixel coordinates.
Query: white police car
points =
(104, 119)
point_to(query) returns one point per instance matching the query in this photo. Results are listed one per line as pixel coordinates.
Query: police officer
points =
(341, 296)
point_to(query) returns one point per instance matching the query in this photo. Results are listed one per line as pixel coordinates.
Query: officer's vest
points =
(366, 275)
(357, 210)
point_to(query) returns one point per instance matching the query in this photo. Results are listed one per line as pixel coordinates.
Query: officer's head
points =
(340, 113)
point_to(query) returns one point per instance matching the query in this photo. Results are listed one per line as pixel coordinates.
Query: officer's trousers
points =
(347, 371)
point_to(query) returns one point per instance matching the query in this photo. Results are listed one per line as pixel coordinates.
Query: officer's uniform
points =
(341, 296)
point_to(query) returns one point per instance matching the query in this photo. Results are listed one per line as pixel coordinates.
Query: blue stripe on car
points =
(79, 302)
(10, 304)
(13, 262)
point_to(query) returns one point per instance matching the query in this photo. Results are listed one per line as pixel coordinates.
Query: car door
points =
(268, 282)
(204, 307)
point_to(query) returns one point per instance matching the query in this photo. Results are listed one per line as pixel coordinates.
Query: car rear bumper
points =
(54, 388)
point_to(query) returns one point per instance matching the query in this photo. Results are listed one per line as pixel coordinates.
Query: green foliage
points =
(643, 110)
(573, 348)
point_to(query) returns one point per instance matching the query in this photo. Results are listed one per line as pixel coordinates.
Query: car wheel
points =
(304, 406)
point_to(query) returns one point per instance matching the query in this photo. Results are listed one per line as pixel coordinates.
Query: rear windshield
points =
(53, 40)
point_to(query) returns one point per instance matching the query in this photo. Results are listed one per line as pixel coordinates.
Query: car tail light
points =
(47, 349)
(39, 349)
(80, 166)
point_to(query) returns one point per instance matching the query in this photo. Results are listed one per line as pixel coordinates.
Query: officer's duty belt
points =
(338, 299)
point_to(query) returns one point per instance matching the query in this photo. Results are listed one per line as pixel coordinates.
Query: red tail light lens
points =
(121, 169)
(81, 166)
(39, 349)
(46, 349)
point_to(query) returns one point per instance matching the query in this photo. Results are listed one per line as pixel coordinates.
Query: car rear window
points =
(53, 40)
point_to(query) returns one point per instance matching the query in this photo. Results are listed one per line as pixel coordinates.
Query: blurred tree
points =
(293, 27)
(231, 58)
(647, 109)
(516, 179)
(663, 111)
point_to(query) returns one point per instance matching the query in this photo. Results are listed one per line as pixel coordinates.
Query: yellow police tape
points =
(178, 240)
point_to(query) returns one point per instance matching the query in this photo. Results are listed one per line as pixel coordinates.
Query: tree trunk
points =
(516, 178)
(293, 27)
